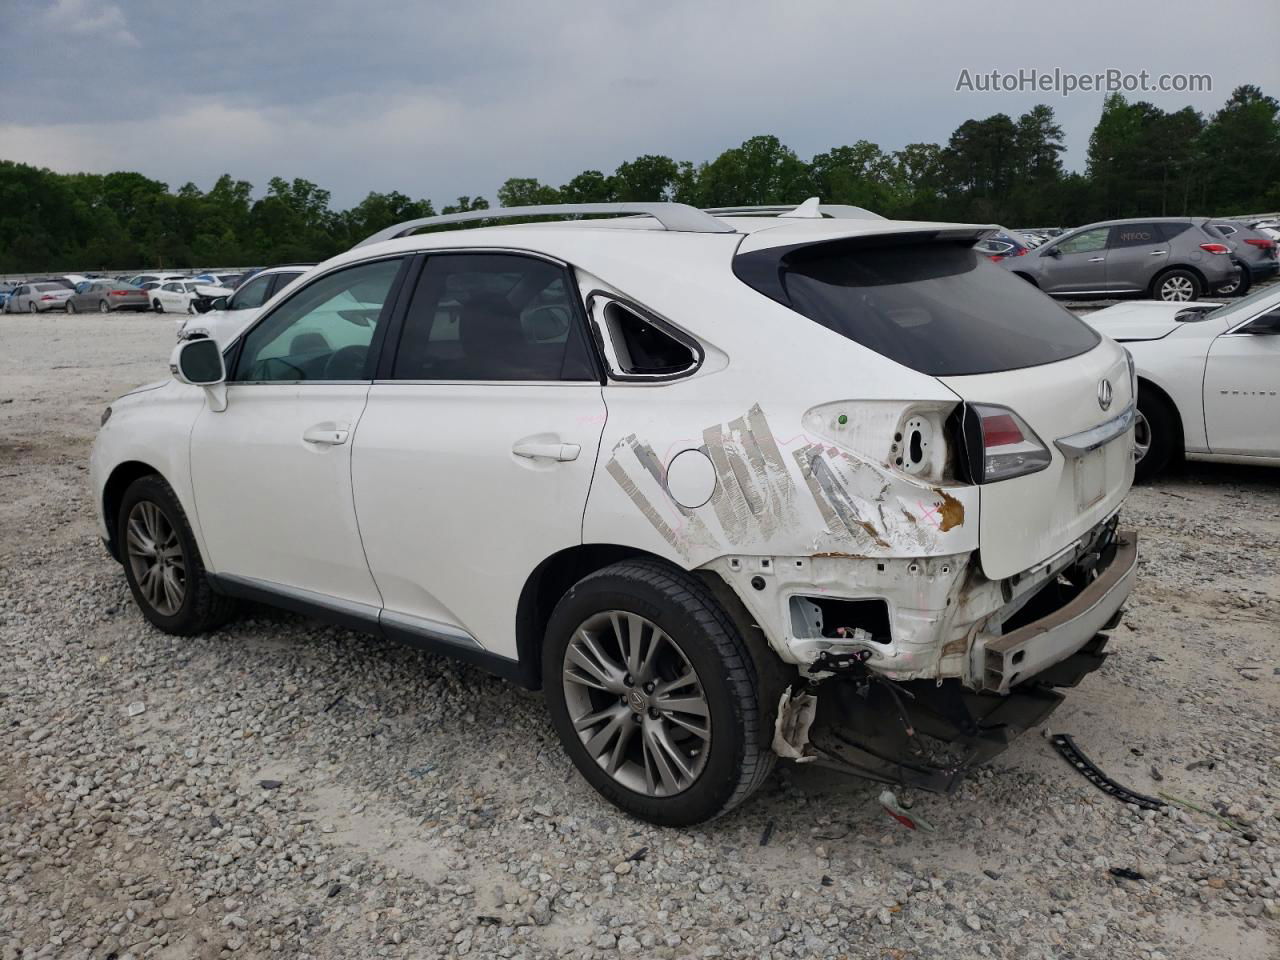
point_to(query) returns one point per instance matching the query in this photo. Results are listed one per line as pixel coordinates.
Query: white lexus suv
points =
(727, 485)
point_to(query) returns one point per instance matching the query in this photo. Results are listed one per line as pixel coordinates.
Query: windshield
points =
(1244, 304)
(939, 308)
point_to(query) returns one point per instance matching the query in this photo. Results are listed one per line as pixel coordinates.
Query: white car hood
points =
(1141, 319)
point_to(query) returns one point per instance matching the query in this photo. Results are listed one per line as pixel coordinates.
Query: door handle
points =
(329, 434)
(1157, 253)
(562, 452)
(1096, 259)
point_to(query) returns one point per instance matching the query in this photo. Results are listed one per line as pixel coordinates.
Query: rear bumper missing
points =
(1022, 653)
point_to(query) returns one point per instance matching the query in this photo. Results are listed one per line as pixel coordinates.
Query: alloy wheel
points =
(103, 307)
(1141, 437)
(636, 703)
(1176, 289)
(155, 558)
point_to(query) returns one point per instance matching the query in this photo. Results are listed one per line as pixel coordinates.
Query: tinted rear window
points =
(939, 308)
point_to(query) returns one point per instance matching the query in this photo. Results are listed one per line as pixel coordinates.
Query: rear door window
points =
(493, 317)
(1135, 235)
(940, 308)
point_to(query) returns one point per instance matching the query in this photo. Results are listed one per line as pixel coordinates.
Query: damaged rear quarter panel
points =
(781, 490)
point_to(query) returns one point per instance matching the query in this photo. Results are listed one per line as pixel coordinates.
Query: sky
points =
(439, 99)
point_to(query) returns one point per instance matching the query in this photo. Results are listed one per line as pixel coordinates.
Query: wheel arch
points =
(1185, 267)
(1157, 391)
(553, 577)
(1027, 277)
(122, 475)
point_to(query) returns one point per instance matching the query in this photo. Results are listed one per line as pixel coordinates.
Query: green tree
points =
(1241, 150)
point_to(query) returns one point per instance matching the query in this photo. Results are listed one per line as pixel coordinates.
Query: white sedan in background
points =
(1208, 378)
(177, 296)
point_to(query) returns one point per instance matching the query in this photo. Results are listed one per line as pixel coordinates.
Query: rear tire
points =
(1238, 287)
(162, 564)
(157, 306)
(708, 770)
(1177, 286)
(70, 307)
(1156, 435)
(104, 307)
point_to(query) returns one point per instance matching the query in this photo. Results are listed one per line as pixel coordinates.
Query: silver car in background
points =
(1165, 258)
(106, 296)
(40, 297)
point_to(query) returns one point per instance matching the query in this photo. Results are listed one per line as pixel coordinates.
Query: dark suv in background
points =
(1253, 251)
(1165, 258)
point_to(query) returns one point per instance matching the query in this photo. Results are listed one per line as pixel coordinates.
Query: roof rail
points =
(840, 211)
(673, 216)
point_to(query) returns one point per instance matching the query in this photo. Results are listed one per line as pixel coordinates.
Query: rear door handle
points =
(547, 451)
(329, 434)
(1158, 253)
(1096, 259)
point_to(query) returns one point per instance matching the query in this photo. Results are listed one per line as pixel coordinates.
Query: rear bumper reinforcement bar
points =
(1022, 653)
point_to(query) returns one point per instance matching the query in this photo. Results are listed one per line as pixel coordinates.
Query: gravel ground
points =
(287, 788)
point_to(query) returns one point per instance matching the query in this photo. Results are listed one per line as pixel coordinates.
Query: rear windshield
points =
(46, 287)
(940, 308)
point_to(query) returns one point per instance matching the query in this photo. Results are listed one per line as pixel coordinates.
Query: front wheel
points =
(104, 307)
(157, 306)
(654, 694)
(70, 307)
(161, 562)
(1176, 286)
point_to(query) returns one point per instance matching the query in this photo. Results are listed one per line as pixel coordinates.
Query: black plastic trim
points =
(654, 320)
(368, 620)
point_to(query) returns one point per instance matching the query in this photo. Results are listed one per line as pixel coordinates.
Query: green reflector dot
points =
(842, 419)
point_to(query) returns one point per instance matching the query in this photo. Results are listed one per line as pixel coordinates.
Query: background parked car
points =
(106, 296)
(1208, 376)
(1166, 258)
(1254, 253)
(230, 315)
(228, 280)
(5, 290)
(142, 279)
(1004, 244)
(177, 296)
(40, 297)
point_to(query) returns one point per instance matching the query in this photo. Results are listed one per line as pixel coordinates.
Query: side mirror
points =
(1267, 325)
(198, 362)
(1052, 252)
(217, 303)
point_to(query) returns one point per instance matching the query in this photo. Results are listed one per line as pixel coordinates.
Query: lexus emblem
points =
(1104, 394)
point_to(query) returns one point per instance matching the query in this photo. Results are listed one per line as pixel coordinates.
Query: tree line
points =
(1141, 161)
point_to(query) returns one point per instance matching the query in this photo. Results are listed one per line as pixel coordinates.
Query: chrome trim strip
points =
(1086, 441)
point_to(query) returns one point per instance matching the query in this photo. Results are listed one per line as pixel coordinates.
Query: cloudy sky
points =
(440, 99)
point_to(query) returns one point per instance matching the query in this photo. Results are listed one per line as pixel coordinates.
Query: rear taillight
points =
(119, 293)
(1215, 248)
(1262, 242)
(1000, 445)
(48, 297)
(1022, 252)
(994, 257)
